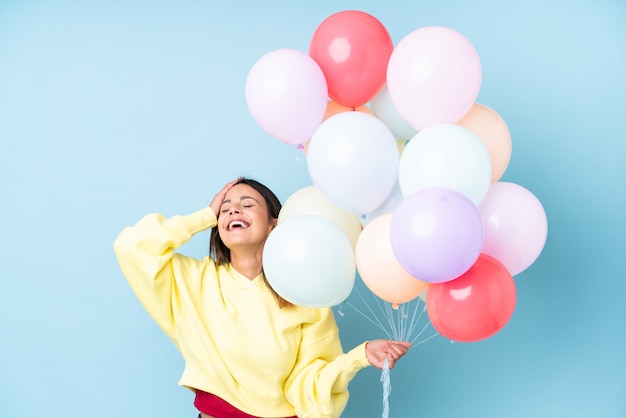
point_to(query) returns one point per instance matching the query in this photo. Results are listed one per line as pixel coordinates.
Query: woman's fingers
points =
(396, 351)
(380, 350)
(219, 197)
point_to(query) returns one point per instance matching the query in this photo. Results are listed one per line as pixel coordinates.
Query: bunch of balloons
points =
(406, 169)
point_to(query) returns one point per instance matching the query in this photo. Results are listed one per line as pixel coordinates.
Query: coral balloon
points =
(474, 306)
(352, 48)
(310, 201)
(433, 76)
(286, 94)
(515, 225)
(378, 267)
(493, 131)
(309, 261)
(436, 234)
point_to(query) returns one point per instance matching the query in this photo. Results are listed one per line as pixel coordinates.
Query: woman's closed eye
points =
(247, 202)
(228, 208)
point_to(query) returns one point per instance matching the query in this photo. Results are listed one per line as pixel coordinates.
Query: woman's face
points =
(243, 219)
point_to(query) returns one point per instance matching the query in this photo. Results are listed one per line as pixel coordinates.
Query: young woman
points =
(248, 352)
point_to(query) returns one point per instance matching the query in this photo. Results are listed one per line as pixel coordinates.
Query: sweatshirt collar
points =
(243, 281)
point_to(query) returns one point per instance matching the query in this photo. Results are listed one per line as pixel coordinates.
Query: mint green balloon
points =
(309, 261)
(449, 156)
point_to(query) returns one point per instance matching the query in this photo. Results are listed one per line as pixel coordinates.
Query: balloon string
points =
(414, 344)
(386, 379)
(374, 321)
(401, 323)
(415, 319)
(387, 313)
(299, 152)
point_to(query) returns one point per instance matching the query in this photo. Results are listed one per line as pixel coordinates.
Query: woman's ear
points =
(274, 222)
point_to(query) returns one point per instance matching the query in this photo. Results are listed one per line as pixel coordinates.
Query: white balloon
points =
(385, 110)
(353, 160)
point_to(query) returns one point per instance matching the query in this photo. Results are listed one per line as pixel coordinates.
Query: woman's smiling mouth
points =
(237, 224)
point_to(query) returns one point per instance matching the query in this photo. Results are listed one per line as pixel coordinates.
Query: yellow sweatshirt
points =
(236, 342)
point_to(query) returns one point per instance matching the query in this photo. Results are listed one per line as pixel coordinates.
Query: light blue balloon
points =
(385, 110)
(309, 261)
(388, 206)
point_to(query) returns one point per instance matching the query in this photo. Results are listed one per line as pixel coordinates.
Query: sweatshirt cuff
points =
(358, 357)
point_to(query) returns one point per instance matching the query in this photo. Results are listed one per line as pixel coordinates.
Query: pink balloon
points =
(515, 225)
(433, 76)
(286, 94)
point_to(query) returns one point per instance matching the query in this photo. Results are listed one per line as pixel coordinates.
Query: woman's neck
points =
(250, 265)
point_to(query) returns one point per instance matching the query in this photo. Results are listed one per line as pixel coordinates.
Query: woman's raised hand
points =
(379, 350)
(219, 197)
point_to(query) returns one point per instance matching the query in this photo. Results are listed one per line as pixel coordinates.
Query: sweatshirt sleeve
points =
(145, 253)
(318, 384)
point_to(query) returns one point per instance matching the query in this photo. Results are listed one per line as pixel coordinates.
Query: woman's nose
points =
(233, 210)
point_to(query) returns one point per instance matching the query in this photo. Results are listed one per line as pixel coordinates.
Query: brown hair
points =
(221, 253)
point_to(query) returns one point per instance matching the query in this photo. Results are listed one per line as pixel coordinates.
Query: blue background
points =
(111, 110)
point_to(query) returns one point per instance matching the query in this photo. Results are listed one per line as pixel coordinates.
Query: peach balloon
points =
(379, 268)
(493, 131)
(332, 108)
